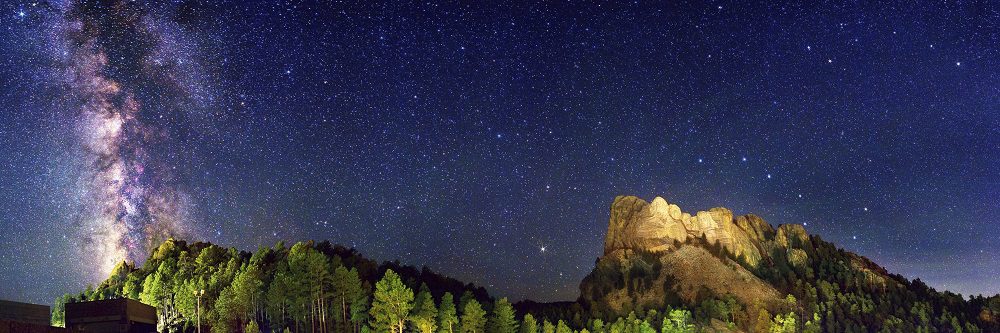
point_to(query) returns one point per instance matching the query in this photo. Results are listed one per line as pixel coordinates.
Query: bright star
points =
(768, 176)
(543, 249)
(744, 159)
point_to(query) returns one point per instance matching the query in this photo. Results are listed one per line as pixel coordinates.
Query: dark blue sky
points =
(466, 137)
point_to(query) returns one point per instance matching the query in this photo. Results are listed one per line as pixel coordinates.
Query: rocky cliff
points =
(662, 226)
(655, 254)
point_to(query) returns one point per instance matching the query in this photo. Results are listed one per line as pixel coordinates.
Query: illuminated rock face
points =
(658, 225)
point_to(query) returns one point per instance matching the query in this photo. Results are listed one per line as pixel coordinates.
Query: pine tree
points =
(391, 305)
(502, 320)
(346, 287)
(473, 317)
(424, 314)
(359, 311)
(529, 325)
(561, 327)
(447, 318)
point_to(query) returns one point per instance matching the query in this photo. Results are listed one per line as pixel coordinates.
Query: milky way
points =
(125, 91)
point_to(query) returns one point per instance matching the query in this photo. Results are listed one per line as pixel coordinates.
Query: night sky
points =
(488, 141)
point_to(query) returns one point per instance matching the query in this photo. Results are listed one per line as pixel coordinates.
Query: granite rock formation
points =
(661, 226)
(655, 254)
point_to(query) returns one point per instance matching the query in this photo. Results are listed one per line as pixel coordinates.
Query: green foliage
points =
(349, 299)
(502, 320)
(59, 310)
(679, 321)
(529, 324)
(251, 327)
(547, 327)
(783, 324)
(447, 316)
(812, 326)
(391, 305)
(424, 314)
(562, 328)
(304, 287)
(473, 317)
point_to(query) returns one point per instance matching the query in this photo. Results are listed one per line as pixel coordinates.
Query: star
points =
(543, 249)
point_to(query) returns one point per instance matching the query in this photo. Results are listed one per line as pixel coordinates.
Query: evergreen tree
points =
(447, 317)
(547, 327)
(502, 320)
(359, 310)
(529, 324)
(561, 327)
(812, 326)
(391, 305)
(346, 290)
(473, 317)
(424, 314)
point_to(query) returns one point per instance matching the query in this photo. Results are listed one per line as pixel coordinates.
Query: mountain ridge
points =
(712, 269)
(657, 256)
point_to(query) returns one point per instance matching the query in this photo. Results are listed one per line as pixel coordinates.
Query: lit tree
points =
(502, 320)
(424, 314)
(547, 327)
(561, 327)
(252, 327)
(447, 318)
(346, 289)
(473, 317)
(359, 311)
(392, 304)
(678, 321)
(530, 325)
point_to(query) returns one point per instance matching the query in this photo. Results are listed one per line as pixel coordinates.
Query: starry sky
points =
(487, 141)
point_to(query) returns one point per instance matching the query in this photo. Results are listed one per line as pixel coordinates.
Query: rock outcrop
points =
(655, 254)
(661, 226)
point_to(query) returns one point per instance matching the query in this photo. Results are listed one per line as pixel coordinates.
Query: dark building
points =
(111, 316)
(24, 312)
(17, 317)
